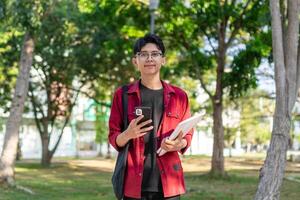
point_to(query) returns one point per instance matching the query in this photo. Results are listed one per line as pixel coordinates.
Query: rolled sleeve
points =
(188, 138)
(189, 135)
(115, 119)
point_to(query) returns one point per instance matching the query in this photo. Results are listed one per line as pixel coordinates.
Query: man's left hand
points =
(174, 145)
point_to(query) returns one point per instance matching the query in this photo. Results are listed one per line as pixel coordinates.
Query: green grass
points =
(239, 185)
(59, 182)
(66, 181)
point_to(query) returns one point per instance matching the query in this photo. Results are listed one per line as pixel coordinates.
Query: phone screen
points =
(146, 111)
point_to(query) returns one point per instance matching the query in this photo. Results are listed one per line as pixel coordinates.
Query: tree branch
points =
(233, 2)
(226, 17)
(291, 52)
(84, 93)
(210, 43)
(66, 121)
(278, 56)
(48, 11)
(34, 108)
(205, 87)
(187, 45)
(237, 25)
(51, 104)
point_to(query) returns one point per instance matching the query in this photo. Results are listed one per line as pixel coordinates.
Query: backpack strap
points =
(118, 178)
(125, 106)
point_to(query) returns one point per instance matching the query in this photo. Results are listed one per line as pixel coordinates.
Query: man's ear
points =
(163, 61)
(134, 62)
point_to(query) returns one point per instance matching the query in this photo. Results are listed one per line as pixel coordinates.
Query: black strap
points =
(125, 106)
(118, 178)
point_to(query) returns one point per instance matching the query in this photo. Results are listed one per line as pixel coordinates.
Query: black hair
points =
(149, 38)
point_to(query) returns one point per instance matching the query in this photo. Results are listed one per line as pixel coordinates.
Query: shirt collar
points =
(134, 88)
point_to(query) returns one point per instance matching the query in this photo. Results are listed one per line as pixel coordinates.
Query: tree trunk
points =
(217, 163)
(217, 167)
(100, 154)
(46, 156)
(19, 151)
(108, 155)
(7, 161)
(272, 173)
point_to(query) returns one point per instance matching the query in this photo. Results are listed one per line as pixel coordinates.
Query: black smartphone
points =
(146, 111)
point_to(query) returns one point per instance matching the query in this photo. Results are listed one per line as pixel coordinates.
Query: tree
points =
(221, 44)
(53, 93)
(285, 42)
(77, 54)
(11, 138)
(32, 16)
(25, 17)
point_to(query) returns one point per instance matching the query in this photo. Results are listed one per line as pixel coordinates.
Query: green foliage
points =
(19, 16)
(230, 134)
(193, 31)
(255, 119)
(30, 14)
(101, 123)
(89, 43)
(8, 72)
(10, 41)
(242, 75)
(2, 8)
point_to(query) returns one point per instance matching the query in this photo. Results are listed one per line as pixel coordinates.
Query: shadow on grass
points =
(70, 180)
(230, 187)
(60, 181)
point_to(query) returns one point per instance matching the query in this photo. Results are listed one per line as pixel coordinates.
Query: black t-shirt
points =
(151, 176)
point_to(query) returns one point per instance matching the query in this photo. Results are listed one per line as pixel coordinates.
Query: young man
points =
(149, 176)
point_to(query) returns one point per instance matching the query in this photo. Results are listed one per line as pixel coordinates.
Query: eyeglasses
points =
(144, 55)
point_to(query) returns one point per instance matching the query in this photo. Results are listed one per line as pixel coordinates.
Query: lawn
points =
(90, 180)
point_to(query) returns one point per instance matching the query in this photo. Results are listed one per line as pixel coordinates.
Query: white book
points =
(184, 126)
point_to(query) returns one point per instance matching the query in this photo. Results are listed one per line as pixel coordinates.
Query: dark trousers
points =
(154, 196)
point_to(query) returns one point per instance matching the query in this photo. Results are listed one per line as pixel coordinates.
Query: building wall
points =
(73, 143)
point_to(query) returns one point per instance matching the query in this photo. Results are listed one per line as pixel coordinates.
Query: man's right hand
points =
(134, 130)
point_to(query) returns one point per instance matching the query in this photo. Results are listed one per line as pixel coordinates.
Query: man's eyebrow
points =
(151, 51)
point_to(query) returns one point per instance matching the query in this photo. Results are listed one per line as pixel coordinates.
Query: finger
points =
(180, 136)
(167, 147)
(142, 134)
(170, 142)
(164, 147)
(138, 119)
(145, 123)
(159, 150)
(134, 121)
(146, 129)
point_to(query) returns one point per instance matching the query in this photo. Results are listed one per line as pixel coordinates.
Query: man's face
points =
(149, 60)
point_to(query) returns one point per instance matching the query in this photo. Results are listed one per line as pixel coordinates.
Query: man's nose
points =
(149, 58)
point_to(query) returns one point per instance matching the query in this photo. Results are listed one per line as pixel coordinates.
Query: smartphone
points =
(146, 111)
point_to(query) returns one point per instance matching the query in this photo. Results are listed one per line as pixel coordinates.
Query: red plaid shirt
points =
(176, 109)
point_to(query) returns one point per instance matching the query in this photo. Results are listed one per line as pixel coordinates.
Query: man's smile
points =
(149, 65)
